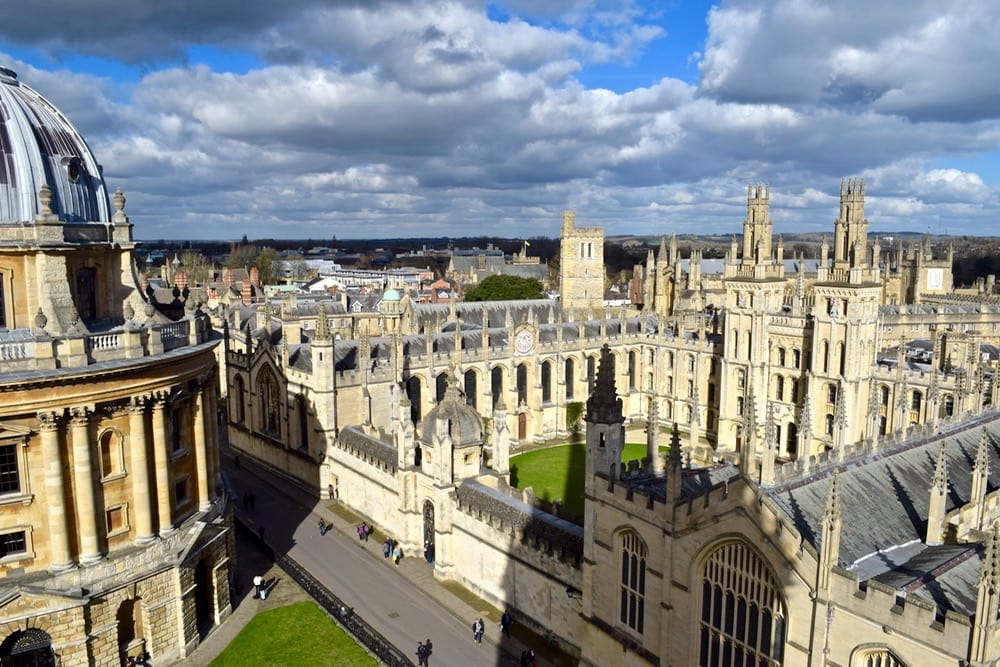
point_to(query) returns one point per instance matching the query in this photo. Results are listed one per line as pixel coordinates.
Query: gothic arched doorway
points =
(27, 648)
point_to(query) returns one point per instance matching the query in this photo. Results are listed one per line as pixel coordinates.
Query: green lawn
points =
(299, 634)
(557, 472)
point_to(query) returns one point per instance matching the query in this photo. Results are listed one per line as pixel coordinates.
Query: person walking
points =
(258, 583)
(397, 555)
(361, 532)
(505, 623)
(421, 654)
(386, 548)
(477, 630)
(428, 649)
(322, 526)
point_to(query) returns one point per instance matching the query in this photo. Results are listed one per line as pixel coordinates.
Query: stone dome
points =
(465, 424)
(39, 146)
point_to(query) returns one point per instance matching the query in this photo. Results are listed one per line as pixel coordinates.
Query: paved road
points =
(405, 604)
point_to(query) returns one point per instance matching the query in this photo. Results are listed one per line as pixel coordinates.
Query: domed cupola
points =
(39, 146)
(453, 432)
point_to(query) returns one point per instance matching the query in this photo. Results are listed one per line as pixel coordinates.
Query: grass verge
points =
(298, 634)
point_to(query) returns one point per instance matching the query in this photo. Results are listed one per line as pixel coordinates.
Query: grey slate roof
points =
(512, 512)
(372, 447)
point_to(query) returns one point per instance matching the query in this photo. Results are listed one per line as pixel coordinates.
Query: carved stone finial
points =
(128, 311)
(119, 200)
(40, 320)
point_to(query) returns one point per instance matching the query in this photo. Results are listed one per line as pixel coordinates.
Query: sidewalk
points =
(414, 571)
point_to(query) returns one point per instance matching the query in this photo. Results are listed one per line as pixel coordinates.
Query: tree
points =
(505, 288)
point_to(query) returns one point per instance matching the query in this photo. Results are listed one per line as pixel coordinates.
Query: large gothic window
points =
(546, 382)
(632, 553)
(470, 388)
(269, 405)
(742, 619)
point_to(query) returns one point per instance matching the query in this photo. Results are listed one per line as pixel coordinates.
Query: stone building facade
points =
(773, 378)
(114, 535)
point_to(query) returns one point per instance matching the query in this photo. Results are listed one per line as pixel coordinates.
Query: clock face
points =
(524, 342)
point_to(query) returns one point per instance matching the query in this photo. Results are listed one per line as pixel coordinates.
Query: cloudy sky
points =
(378, 118)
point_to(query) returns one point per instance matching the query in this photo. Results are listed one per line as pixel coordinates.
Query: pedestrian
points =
(329, 490)
(505, 623)
(386, 548)
(427, 546)
(322, 526)
(260, 531)
(421, 654)
(428, 649)
(361, 532)
(368, 531)
(477, 630)
(531, 658)
(430, 552)
(397, 555)
(258, 582)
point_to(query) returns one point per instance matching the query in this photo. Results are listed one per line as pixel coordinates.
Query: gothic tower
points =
(581, 265)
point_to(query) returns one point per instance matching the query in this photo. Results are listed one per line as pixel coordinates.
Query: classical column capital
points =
(137, 404)
(80, 415)
(49, 421)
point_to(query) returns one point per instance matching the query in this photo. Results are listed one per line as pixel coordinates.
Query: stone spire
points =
(322, 325)
(674, 479)
(980, 479)
(653, 438)
(770, 448)
(603, 405)
(939, 492)
(981, 651)
(830, 540)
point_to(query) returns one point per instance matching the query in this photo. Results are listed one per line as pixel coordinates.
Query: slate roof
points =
(520, 515)
(372, 447)
(884, 502)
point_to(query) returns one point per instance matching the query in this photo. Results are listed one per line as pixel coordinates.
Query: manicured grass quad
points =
(557, 472)
(299, 634)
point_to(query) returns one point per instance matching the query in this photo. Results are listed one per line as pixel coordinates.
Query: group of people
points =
(424, 653)
(364, 530)
(428, 551)
(391, 549)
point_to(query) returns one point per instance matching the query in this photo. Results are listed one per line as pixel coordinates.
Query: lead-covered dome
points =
(39, 146)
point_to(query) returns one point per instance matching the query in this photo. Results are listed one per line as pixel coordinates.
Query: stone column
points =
(138, 448)
(212, 436)
(83, 479)
(161, 465)
(55, 493)
(200, 450)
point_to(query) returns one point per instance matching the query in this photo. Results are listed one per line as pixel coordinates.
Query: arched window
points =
(825, 361)
(779, 388)
(916, 401)
(632, 554)
(739, 406)
(28, 647)
(413, 395)
(792, 440)
(736, 343)
(884, 395)
(793, 387)
(470, 388)
(240, 398)
(111, 452)
(269, 405)
(742, 620)
(947, 406)
(741, 378)
(691, 363)
(879, 657)
(796, 358)
(631, 370)
(522, 384)
(831, 394)
(781, 356)
(496, 384)
(591, 374)
(829, 424)
(569, 377)
(440, 387)
(547, 381)
(842, 357)
(668, 359)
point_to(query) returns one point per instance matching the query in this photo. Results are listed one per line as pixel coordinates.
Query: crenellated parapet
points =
(367, 448)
